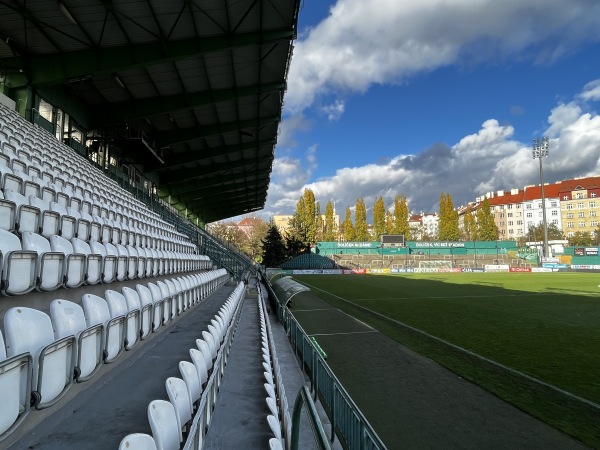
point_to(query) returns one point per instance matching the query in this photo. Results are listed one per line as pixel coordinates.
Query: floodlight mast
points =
(540, 149)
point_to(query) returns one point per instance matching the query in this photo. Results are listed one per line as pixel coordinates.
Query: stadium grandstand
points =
(125, 127)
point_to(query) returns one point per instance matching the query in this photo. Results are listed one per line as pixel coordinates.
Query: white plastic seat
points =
(199, 362)
(189, 373)
(51, 264)
(27, 217)
(97, 312)
(75, 263)
(158, 300)
(19, 267)
(206, 350)
(93, 263)
(180, 399)
(163, 423)
(15, 389)
(132, 262)
(8, 214)
(137, 441)
(212, 345)
(30, 330)
(68, 223)
(109, 261)
(134, 317)
(176, 306)
(49, 222)
(68, 319)
(167, 301)
(118, 307)
(141, 264)
(275, 444)
(275, 426)
(147, 310)
(122, 261)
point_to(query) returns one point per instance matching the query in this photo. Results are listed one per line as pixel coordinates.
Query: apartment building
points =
(580, 205)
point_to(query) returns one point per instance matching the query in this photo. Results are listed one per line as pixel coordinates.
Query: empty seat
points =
(75, 263)
(199, 361)
(147, 311)
(167, 301)
(189, 374)
(109, 261)
(49, 220)
(50, 267)
(163, 423)
(180, 399)
(157, 299)
(137, 441)
(134, 318)
(15, 389)
(27, 217)
(68, 319)
(97, 312)
(30, 330)
(68, 223)
(18, 266)
(93, 263)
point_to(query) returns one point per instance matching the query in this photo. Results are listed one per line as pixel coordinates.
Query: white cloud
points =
(591, 91)
(487, 160)
(334, 111)
(386, 41)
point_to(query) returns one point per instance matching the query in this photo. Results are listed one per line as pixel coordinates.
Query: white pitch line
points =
(348, 332)
(468, 352)
(310, 310)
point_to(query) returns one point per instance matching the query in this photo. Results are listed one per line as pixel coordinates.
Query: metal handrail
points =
(305, 399)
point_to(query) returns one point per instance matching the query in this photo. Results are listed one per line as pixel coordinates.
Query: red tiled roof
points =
(535, 192)
(585, 183)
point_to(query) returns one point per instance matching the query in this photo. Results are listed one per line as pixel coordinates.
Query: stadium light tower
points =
(540, 149)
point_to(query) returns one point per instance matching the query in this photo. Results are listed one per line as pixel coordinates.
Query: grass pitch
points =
(545, 326)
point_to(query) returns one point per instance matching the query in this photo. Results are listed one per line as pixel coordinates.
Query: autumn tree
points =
(536, 234)
(486, 227)
(253, 238)
(378, 218)
(330, 231)
(469, 226)
(401, 224)
(318, 223)
(360, 221)
(448, 219)
(347, 227)
(581, 238)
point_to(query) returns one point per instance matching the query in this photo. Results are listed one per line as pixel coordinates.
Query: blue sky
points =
(397, 96)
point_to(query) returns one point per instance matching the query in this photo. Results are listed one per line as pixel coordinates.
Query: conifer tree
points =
(448, 219)
(360, 221)
(318, 223)
(273, 247)
(330, 232)
(469, 226)
(379, 214)
(347, 227)
(401, 225)
(486, 227)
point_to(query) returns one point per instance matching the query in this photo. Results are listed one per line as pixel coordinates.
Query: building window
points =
(592, 213)
(593, 195)
(510, 223)
(570, 206)
(510, 206)
(569, 215)
(594, 223)
(540, 205)
(578, 195)
(554, 204)
(580, 205)
(582, 223)
(554, 212)
(570, 225)
(570, 234)
(528, 206)
(580, 214)
(519, 222)
(592, 204)
(529, 215)
(509, 214)
(566, 197)
(555, 221)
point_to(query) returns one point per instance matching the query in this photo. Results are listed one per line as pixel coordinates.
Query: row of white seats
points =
(279, 420)
(44, 354)
(192, 397)
(35, 262)
(26, 208)
(77, 177)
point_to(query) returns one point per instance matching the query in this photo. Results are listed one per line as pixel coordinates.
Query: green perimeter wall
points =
(414, 247)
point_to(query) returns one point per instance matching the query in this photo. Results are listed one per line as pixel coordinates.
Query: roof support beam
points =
(179, 159)
(57, 68)
(223, 169)
(123, 111)
(167, 138)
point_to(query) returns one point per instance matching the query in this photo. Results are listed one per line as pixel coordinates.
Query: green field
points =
(545, 326)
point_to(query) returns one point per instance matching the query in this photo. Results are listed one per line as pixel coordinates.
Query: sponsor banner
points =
(355, 245)
(402, 270)
(378, 270)
(591, 251)
(550, 260)
(439, 244)
(496, 267)
(554, 265)
(543, 269)
(317, 272)
(450, 269)
(585, 266)
(359, 271)
(520, 269)
(579, 251)
(426, 270)
(474, 269)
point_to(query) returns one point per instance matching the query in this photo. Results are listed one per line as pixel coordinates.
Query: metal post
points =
(540, 150)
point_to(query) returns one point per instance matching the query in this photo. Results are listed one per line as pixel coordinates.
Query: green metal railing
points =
(304, 399)
(347, 421)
